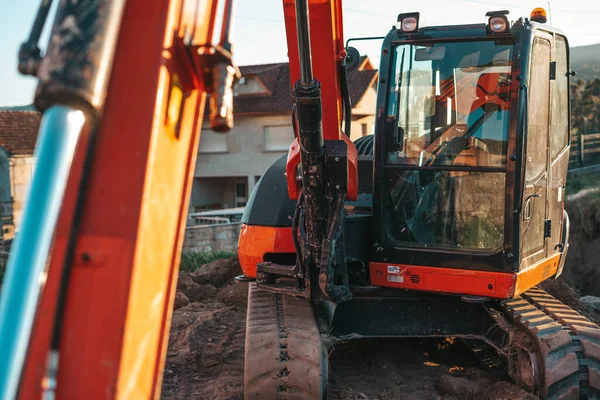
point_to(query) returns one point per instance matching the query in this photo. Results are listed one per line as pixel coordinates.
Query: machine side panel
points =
(498, 285)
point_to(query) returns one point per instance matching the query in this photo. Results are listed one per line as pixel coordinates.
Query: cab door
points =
(558, 149)
(535, 189)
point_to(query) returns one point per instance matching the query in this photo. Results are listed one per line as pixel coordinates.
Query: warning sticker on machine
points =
(392, 269)
(395, 278)
(560, 194)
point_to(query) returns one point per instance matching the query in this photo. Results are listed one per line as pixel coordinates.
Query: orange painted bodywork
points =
(535, 274)
(500, 285)
(256, 241)
(120, 294)
(327, 45)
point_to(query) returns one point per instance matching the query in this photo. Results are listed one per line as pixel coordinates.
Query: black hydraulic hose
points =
(53, 360)
(295, 223)
(335, 220)
(346, 99)
(295, 122)
(343, 106)
(29, 53)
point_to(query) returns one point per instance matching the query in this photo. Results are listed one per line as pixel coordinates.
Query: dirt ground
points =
(206, 349)
(205, 359)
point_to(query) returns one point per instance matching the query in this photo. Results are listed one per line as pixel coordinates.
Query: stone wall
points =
(21, 171)
(212, 238)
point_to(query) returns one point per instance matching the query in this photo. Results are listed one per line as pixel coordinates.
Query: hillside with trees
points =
(585, 106)
(585, 61)
(585, 89)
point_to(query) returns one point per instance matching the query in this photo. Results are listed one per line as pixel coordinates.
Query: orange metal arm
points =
(327, 42)
(121, 290)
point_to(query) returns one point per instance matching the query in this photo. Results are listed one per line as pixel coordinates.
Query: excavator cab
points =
(471, 156)
(461, 187)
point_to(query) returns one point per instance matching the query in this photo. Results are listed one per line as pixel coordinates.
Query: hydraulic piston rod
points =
(307, 98)
(303, 28)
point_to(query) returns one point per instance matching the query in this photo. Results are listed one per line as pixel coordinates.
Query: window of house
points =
(364, 129)
(241, 194)
(240, 189)
(249, 85)
(278, 138)
(211, 142)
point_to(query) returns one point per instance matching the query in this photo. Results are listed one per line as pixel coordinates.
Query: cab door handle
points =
(527, 211)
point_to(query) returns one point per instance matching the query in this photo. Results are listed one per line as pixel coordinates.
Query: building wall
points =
(245, 150)
(362, 126)
(5, 197)
(4, 175)
(206, 192)
(21, 173)
(245, 153)
(363, 115)
(242, 155)
(212, 193)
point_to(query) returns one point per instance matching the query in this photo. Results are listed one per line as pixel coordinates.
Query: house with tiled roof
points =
(18, 135)
(228, 166)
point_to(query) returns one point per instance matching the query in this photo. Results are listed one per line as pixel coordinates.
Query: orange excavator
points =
(441, 224)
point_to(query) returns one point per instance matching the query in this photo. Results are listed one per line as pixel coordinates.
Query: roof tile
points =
(276, 77)
(18, 131)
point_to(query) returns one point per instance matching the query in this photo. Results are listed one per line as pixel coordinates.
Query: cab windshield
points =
(446, 144)
(448, 97)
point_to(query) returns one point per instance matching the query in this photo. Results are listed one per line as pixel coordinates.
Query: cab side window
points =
(537, 133)
(560, 100)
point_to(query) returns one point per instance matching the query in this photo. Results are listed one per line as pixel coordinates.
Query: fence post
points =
(581, 148)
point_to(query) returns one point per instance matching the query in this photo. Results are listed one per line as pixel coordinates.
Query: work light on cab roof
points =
(408, 22)
(497, 22)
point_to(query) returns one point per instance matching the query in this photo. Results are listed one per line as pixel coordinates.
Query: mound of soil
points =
(205, 358)
(582, 267)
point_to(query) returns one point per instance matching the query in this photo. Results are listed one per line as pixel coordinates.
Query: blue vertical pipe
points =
(60, 129)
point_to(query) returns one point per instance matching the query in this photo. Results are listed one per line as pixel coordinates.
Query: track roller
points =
(559, 357)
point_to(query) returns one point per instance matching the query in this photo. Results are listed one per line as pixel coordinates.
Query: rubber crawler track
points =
(568, 343)
(284, 355)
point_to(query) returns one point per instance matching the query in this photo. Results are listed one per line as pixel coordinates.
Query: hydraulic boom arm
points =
(86, 303)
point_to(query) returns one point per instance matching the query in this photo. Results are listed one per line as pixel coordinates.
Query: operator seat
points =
(476, 153)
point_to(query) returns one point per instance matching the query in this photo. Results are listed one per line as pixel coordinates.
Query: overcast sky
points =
(259, 30)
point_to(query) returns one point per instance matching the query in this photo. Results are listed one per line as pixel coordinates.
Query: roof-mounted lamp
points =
(408, 22)
(497, 22)
(539, 15)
